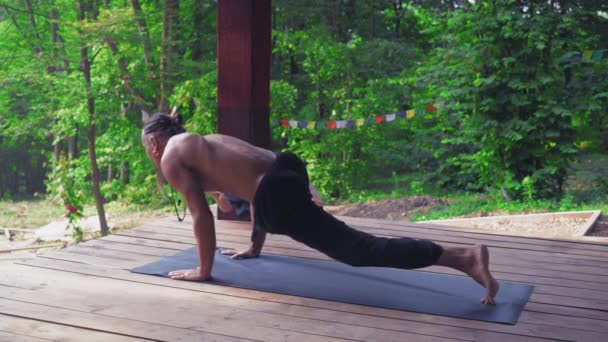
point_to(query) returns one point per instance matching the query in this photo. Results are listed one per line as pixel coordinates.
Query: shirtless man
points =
(278, 188)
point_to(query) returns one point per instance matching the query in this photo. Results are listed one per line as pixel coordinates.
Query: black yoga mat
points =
(422, 292)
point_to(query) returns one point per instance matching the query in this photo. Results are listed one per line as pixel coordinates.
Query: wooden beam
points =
(243, 51)
(243, 80)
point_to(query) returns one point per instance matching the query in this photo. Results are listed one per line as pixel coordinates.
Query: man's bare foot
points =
(475, 262)
(479, 270)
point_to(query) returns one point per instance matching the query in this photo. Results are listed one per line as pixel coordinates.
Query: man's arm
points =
(258, 235)
(203, 224)
(222, 203)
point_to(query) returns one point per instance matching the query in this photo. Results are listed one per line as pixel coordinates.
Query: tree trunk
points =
(124, 76)
(57, 151)
(124, 174)
(36, 48)
(333, 16)
(198, 28)
(373, 19)
(30, 12)
(57, 50)
(140, 20)
(168, 58)
(86, 70)
(398, 7)
(110, 173)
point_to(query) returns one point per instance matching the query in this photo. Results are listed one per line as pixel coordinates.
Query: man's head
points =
(157, 130)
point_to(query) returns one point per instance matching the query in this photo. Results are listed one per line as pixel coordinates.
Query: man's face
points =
(151, 149)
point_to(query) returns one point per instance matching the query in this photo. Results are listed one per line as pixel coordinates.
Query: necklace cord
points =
(175, 204)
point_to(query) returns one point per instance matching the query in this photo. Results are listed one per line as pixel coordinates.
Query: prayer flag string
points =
(373, 119)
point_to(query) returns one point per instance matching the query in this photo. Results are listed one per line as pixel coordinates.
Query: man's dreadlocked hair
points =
(164, 124)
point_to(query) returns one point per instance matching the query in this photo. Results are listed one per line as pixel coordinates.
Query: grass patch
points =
(28, 214)
(36, 214)
(125, 215)
(476, 205)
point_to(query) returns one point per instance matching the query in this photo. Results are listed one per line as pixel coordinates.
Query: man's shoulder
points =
(182, 146)
(184, 141)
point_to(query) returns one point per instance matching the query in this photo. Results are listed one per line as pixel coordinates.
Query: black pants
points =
(283, 205)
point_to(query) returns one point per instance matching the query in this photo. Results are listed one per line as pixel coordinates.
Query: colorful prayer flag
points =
(293, 124)
(430, 108)
(331, 124)
(312, 124)
(350, 123)
(360, 122)
(410, 114)
(380, 119)
(401, 114)
(284, 123)
(341, 124)
(390, 117)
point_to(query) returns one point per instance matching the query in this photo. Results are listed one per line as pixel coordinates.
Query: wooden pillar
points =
(243, 70)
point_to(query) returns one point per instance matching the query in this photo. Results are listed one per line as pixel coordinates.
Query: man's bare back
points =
(212, 160)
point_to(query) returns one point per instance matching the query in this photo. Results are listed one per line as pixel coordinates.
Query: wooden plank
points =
(434, 231)
(544, 292)
(339, 311)
(268, 311)
(136, 249)
(599, 274)
(6, 336)
(548, 289)
(426, 228)
(599, 253)
(195, 310)
(560, 310)
(511, 273)
(568, 279)
(566, 311)
(578, 287)
(532, 259)
(105, 323)
(84, 259)
(24, 328)
(118, 237)
(448, 228)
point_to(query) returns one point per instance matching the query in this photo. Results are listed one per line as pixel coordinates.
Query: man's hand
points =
(240, 255)
(190, 275)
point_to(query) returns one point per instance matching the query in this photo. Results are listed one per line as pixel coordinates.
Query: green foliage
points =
(61, 187)
(518, 103)
(510, 106)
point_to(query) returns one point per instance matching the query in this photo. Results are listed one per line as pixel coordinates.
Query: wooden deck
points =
(85, 293)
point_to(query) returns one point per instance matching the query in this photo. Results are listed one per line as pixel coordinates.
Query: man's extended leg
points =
(475, 262)
(323, 232)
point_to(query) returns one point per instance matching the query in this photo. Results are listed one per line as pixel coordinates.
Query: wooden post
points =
(243, 70)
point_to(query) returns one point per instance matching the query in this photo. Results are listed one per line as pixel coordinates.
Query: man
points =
(278, 188)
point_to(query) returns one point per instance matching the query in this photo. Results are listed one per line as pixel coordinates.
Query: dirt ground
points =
(543, 226)
(399, 209)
